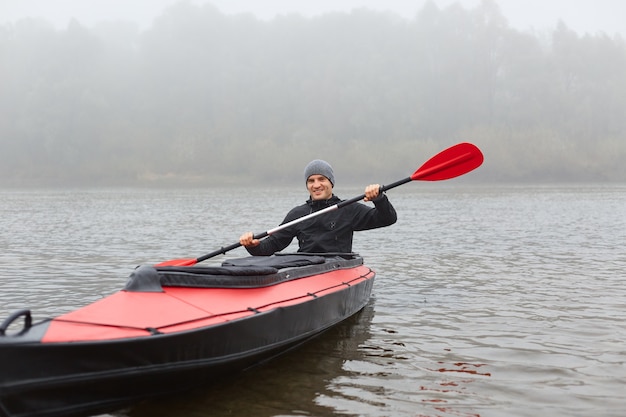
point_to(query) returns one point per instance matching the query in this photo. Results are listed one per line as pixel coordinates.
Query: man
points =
(329, 232)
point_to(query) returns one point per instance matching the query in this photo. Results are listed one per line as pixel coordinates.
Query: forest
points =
(202, 98)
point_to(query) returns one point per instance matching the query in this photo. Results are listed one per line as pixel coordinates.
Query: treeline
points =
(203, 97)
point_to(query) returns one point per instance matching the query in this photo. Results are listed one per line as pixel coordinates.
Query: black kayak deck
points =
(248, 272)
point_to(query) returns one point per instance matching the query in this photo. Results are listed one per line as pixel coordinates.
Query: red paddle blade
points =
(178, 262)
(452, 162)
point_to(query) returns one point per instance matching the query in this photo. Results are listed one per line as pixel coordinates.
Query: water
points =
(489, 300)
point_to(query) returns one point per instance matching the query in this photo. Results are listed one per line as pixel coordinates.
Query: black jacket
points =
(328, 232)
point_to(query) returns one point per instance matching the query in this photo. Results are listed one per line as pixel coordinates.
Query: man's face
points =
(320, 187)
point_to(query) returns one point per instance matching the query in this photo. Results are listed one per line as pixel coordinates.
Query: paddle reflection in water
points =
(391, 377)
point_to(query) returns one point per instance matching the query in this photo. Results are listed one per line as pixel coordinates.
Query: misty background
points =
(203, 97)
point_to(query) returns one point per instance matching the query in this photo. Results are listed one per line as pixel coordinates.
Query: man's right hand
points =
(247, 240)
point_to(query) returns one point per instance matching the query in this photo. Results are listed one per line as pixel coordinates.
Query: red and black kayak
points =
(172, 328)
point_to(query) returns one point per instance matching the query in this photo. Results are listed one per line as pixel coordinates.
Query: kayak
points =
(172, 329)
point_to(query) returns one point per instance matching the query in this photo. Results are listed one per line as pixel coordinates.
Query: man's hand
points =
(247, 240)
(372, 192)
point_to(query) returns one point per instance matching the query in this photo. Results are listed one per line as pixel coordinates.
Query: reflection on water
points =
(489, 301)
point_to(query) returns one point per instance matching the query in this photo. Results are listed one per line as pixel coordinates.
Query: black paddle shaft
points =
(383, 188)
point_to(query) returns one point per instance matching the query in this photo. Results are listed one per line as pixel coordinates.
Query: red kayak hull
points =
(134, 344)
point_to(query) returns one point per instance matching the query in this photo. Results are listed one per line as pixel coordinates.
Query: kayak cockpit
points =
(248, 272)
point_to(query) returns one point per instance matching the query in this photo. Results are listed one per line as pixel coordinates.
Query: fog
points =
(204, 93)
(582, 16)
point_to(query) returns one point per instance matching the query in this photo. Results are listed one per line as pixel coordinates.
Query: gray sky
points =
(581, 15)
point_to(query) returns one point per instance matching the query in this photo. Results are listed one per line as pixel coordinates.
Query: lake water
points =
(489, 300)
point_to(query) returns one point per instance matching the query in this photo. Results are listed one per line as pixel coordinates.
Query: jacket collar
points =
(320, 204)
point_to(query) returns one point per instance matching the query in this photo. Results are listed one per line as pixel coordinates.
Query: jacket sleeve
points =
(277, 241)
(381, 215)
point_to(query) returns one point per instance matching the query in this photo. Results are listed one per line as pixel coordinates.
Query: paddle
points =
(450, 163)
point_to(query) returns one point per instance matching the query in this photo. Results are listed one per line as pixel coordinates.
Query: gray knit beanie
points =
(319, 167)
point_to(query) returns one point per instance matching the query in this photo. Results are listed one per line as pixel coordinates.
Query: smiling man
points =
(329, 232)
